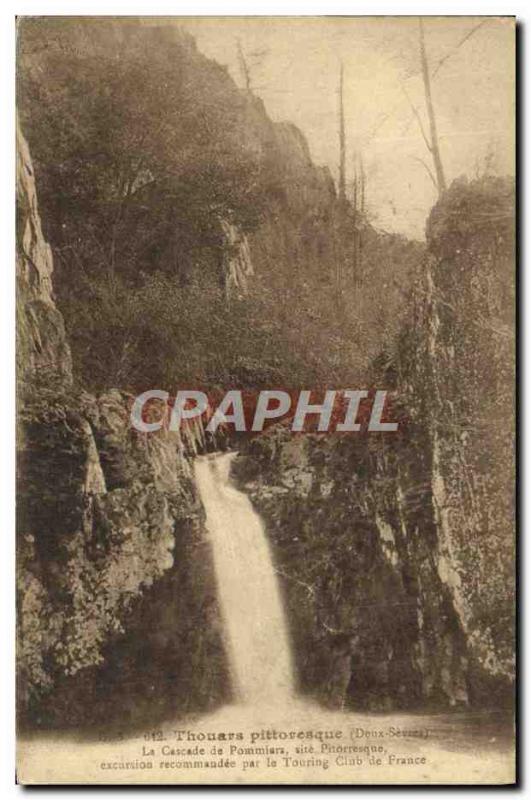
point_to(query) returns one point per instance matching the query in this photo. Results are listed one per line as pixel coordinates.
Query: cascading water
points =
(257, 637)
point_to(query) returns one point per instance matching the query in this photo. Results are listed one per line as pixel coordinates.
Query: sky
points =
(294, 67)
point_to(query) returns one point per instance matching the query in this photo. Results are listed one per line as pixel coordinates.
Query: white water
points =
(256, 634)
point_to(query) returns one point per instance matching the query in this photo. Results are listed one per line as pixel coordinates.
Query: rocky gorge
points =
(395, 552)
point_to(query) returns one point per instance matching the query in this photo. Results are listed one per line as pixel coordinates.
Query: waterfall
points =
(256, 634)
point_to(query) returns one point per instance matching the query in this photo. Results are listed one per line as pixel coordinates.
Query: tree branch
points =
(418, 118)
(456, 48)
(428, 170)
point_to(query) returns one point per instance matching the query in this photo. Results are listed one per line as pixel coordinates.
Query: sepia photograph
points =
(265, 368)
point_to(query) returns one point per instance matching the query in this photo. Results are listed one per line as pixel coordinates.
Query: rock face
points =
(42, 348)
(396, 552)
(237, 263)
(355, 539)
(109, 531)
(471, 362)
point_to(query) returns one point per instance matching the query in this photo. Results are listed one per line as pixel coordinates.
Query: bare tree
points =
(437, 175)
(244, 66)
(433, 142)
(340, 254)
(341, 136)
(358, 208)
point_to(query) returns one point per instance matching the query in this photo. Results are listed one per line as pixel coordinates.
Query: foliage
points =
(142, 147)
(135, 162)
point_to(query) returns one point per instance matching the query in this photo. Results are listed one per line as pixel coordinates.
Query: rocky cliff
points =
(396, 552)
(109, 531)
(41, 341)
(470, 319)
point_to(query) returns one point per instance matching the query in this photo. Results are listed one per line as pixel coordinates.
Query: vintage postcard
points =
(266, 400)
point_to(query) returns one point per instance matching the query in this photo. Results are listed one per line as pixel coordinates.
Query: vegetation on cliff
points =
(145, 151)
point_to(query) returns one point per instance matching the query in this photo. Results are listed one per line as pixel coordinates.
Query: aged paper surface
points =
(265, 365)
